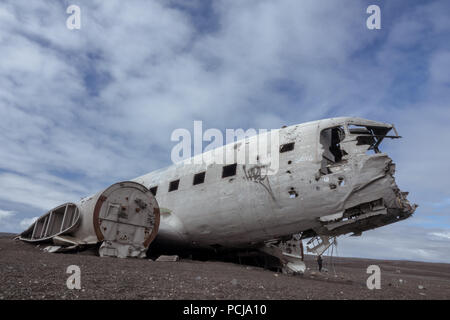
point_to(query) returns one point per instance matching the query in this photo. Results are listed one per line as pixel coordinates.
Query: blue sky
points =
(82, 109)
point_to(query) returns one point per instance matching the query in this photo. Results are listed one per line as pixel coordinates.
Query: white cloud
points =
(25, 223)
(398, 242)
(4, 214)
(445, 235)
(40, 193)
(6, 219)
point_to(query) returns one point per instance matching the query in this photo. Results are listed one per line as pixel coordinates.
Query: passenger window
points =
(229, 170)
(174, 185)
(199, 178)
(153, 190)
(287, 147)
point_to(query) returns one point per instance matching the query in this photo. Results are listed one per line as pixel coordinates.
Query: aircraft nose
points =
(405, 208)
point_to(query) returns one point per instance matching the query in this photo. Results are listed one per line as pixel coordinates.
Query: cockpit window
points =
(340, 142)
(369, 137)
(330, 140)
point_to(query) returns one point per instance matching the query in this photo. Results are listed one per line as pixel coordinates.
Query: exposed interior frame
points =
(370, 135)
(58, 221)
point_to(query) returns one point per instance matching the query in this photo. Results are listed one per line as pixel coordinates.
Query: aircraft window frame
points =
(153, 190)
(229, 170)
(332, 153)
(287, 147)
(369, 135)
(199, 178)
(174, 185)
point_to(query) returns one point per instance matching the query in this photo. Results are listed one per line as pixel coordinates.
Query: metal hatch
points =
(126, 218)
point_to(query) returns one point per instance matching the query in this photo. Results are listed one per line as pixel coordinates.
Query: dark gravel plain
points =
(26, 272)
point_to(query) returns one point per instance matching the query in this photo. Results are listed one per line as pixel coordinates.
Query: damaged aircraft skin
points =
(332, 180)
(124, 218)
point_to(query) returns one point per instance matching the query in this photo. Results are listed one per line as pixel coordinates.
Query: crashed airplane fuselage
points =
(331, 180)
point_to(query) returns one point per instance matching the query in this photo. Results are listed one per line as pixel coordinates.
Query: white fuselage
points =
(247, 209)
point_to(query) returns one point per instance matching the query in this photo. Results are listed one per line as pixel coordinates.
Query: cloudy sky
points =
(82, 109)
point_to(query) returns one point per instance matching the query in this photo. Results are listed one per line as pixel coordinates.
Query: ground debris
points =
(164, 258)
(21, 265)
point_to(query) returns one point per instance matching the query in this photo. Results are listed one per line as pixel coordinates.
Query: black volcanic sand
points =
(26, 272)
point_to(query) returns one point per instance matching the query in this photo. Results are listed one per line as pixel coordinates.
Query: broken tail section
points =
(63, 219)
(124, 218)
